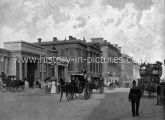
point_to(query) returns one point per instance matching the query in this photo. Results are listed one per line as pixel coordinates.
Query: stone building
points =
(136, 74)
(111, 67)
(77, 52)
(4, 60)
(126, 68)
(27, 60)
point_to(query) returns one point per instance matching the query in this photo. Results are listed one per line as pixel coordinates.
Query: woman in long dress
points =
(53, 87)
(26, 84)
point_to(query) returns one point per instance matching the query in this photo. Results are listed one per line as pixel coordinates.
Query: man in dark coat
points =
(84, 71)
(134, 97)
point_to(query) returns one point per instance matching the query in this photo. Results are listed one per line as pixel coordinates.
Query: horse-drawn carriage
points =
(150, 76)
(78, 84)
(97, 83)
(8, 83)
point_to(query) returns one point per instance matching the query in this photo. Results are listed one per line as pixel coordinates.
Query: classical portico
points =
(27, 60)
(4, 60)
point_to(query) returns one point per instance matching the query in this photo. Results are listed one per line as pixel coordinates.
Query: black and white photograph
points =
(82, 59)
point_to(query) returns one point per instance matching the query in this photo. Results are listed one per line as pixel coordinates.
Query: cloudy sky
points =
(135, 25)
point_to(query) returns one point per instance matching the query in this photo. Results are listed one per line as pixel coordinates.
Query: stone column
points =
(25, 69)
(56, 75)
(56, 72)
(38, 70)
(20, 71)
(46, 69)
(6, 66)
(3, 65)
(42, 71)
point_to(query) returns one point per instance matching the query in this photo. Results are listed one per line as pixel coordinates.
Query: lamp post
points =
(55, 52)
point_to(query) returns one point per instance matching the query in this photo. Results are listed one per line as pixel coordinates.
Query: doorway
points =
(61, 72)
(31, 73)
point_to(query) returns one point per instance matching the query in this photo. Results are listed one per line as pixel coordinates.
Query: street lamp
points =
(55, 52)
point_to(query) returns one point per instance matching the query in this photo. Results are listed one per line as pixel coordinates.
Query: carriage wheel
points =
(86, 93)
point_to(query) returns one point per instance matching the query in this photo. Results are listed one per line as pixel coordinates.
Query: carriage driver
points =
(84, 72)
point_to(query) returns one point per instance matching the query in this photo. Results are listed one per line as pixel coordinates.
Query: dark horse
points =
(16, 84)
(67, 88)
(78, 84)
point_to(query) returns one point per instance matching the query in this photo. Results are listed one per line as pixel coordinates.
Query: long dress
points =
(53, 87)
(26, 84)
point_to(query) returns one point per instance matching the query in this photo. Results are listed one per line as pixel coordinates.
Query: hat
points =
(134, 82)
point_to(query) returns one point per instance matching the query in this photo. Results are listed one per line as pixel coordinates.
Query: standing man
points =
(158, 93)
(134, 97)
(84, 72)
(82, 83)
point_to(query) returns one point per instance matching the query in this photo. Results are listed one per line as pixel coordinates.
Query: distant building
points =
(136, 74)
(111, 54)
(126, 68)
(78, 52)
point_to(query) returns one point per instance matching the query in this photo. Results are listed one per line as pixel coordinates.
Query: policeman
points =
(134, 97)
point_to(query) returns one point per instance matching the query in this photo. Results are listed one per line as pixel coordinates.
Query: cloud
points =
(120, 4)
(138, 30)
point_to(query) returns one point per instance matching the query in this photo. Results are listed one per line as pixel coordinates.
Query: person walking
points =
(158, 93)
(134, 97)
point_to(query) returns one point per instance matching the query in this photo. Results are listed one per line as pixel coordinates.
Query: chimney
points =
(84, 39)
(39, 40)
(105, 41)
(72, 38)
(54, 39)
